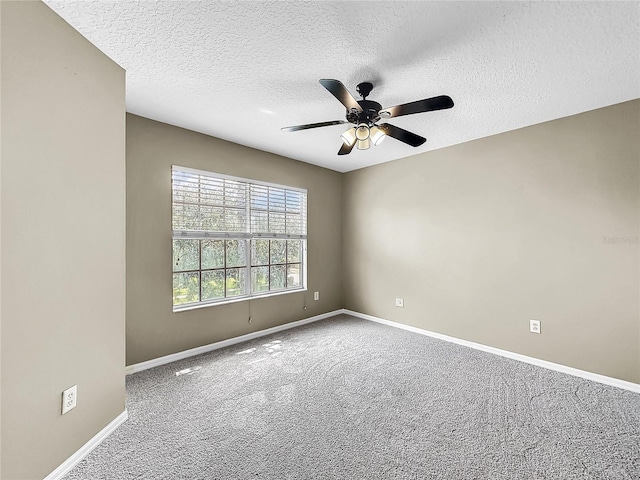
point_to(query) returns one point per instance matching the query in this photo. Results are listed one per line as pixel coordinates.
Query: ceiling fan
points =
(365, 113)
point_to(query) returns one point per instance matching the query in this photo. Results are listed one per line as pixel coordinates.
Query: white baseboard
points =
(138, 367)
(86, 449)
(614, 382)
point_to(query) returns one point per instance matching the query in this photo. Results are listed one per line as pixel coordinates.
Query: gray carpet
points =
(345, 398)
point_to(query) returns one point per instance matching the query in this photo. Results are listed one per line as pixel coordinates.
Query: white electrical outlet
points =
(69, 399)
(534, 326)
(316, 295)
(400, 302)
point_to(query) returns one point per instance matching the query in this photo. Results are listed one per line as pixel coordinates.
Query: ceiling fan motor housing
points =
(368, 115)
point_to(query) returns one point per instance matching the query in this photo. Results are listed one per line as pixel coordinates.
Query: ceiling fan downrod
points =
(364, 89)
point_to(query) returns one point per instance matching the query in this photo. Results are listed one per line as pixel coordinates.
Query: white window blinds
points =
(211, 205)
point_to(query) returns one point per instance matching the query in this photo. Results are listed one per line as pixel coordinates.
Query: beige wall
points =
(538, 223)
(63, 239)
(152, 329)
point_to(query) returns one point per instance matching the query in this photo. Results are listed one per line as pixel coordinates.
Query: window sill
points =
(196, 306)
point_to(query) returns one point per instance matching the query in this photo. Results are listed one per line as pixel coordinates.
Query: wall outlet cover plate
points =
(534, 326)
(69, 399)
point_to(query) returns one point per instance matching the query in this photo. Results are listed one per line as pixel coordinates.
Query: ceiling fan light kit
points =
(362, 132)
(365, 114)
(349, 136)
(363, 144)
(376, 134)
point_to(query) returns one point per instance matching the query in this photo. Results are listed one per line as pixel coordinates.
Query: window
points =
(235, 238)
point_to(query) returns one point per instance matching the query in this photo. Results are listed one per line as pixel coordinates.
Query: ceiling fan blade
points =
(312, 125)
(345, 149)
(402, 135)
(338, 90)
(426, 105)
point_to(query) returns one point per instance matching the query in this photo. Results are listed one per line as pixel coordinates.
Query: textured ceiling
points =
(242, 70)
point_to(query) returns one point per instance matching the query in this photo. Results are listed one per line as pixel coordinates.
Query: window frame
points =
(247, 237)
